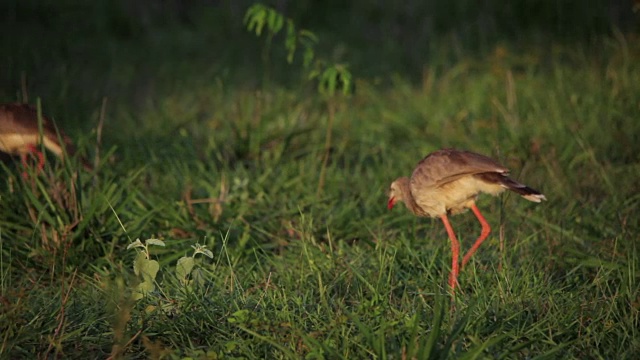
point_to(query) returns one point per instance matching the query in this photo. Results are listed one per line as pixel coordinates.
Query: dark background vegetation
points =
(52, 41)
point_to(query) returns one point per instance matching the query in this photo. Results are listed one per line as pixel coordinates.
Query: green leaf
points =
(255, 18)
(239, 317)
(251, 25)
(231, 346)
(314, 74)
(271, 19)
(275, 21)
(308, 37)
(154, 242)
(146, 287)
(345, 79)
(139, 263)
(202, 249)
(328, 80)
(308, 56)
(135, 244)
(198, 276)
(184, 266)
(149, 270)
(251, 12)
(260, 21)
(208, 253)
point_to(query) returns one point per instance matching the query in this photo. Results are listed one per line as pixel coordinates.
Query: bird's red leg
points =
(455, 252)
(23, 160)
(33, 149)
(486, 229)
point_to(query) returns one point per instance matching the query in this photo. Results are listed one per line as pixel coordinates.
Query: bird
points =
(448, 182)
(20, 134)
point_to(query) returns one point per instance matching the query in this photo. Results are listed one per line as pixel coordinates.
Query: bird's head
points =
(396, 192)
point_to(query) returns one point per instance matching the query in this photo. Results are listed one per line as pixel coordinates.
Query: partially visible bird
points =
(20, 135)
(448, 182)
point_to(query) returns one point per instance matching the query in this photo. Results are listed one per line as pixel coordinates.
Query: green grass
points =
(301, 274)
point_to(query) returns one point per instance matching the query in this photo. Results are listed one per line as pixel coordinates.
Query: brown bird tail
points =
(521, 189)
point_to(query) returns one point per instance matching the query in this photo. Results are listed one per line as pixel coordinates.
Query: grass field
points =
(195, 151)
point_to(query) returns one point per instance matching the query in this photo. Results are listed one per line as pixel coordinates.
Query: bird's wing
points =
(444, 166)
(23, 119)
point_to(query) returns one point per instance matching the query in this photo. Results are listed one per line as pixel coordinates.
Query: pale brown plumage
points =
(448, 182)
(20, 133)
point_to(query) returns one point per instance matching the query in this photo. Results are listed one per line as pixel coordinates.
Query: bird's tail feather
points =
(520, 189)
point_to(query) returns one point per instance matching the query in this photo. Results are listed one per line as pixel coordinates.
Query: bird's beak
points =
(392, 201)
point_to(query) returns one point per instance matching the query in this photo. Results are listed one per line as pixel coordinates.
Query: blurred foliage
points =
(203, 38)
(406, 31)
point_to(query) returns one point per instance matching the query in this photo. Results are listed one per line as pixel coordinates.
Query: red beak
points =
(392, 201)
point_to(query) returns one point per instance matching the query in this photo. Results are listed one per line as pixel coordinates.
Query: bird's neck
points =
(407, 197)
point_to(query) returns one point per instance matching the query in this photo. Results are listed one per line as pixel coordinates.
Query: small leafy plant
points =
(332, 78)
(144, 267)
(185, 266)
(147, 269)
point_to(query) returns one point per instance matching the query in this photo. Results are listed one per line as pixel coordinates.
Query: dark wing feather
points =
(519, 188)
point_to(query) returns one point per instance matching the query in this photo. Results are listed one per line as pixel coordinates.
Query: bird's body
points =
(21, 132)
(19, 129)
(448, 182)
